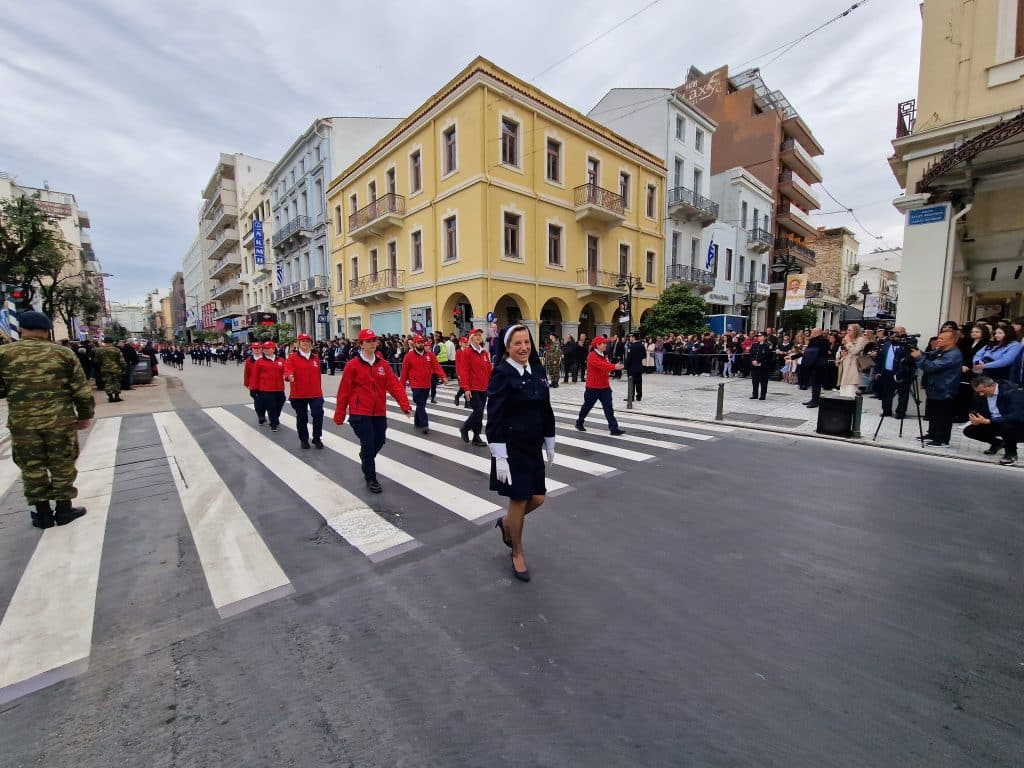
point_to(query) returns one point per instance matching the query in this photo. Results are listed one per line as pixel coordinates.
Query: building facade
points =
(195, 286)
(880, 271)
(962, 167)
(257, 272)
(298, 183)
(492, 197)
(831, 280)
(658, 120)
(759, 130)
(134, 318)
(233, 180)
(177, 298)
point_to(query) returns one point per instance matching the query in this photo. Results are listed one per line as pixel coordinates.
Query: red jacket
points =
(363, 389)
(417, 369)
(268, 376)
(306, 383)
(473, 369)
(598, 368)
(249, 372)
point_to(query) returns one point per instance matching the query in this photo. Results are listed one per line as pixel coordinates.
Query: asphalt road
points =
(749, 600)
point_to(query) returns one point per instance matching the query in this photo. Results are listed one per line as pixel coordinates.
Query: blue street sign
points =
(490, 317)
(257, 241)
(929, 215)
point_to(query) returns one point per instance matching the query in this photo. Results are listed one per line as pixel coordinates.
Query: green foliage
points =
(282, 333)
(30, 242)
(678, 310)
(207, 337)
(798, 319)
(116, 331)
(72, 299)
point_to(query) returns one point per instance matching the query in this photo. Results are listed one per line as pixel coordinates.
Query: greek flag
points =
(280, 273)
(709, 265)
(9, 320)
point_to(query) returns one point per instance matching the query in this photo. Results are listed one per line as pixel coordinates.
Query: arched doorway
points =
(590, 316)
(508, 311)
(550, 320)
(458, 315)
(645, 317)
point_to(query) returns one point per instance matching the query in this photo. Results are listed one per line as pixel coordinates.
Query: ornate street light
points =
(629, 283)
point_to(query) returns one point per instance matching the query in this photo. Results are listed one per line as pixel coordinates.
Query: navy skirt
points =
(526, 465)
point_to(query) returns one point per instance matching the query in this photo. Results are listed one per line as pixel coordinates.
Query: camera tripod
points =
(914, 394)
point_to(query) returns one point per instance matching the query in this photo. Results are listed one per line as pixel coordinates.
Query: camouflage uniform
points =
(110, 362)
(46, 393)
(553, 361)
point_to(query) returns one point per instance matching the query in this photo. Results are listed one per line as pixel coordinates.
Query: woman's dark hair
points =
(986, 334)
(1010, 335)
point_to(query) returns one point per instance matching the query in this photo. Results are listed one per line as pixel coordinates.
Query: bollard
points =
(720, 407)
(858, 406)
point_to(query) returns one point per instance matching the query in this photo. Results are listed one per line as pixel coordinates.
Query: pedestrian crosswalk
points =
(435, 486)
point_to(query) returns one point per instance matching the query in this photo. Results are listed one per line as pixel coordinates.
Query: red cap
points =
(367, 334)
(269, 345)
(417, 339)
(598, 340)
(471, 331)
(463, 340)
(303, 337)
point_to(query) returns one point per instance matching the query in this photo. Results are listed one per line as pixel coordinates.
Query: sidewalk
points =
(695, 398)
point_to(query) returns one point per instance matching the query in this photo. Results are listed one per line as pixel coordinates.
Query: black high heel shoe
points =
(504, 536)
(521, 575)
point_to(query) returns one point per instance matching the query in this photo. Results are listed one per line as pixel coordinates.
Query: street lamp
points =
(629, 283)
(864, 291)
(787, 265)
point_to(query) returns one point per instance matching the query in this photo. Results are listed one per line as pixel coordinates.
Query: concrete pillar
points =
(926, 280)
(531, 326)
(603, 329)
(570, 329)
(480, 323)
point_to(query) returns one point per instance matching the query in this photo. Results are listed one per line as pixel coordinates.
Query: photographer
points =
(997, 418)
(894, 371)
(942, 364)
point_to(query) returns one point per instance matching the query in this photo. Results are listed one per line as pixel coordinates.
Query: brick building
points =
(830, 279)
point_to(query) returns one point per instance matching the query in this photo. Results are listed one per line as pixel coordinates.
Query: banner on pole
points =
(796, 292)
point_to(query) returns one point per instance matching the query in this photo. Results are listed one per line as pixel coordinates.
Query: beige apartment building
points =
(959, 154)
(256, 275)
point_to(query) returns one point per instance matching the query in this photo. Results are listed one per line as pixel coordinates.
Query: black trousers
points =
(636, 381)
(604, 396)
(433, 387)
(419, 398)
(475, 422)
(759, 375)
(305, 407)
(888, 388)
(940, 419)
(569, 368)
(372, 432)
(1010, 434)
(270, 403)
(261, 410)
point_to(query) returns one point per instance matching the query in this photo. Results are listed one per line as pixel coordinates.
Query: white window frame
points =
(511, 117)
(650, 267)
(651, 212)
(699, 137)
(551, 136)
(629, 257)
(629, 188)
(449, 214)
(556, 222)
(416, 149)
(680, 124)
(450, 125)
(413, 269)
(519, 229)
(391, 172)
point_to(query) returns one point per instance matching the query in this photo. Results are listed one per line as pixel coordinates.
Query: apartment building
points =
(195, 285)
(255, 227)
(759, 130)
(961, 165)
(297, 183)
(233, 180)
(493, 197)
(661, 122)
(832, 288)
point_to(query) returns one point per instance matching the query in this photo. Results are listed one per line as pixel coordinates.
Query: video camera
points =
(907, 342)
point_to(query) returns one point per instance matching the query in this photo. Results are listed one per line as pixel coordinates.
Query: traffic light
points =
(457, 315)
(22, 297)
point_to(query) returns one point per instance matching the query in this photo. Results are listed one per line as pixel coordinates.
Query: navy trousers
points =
(304, 408)
(475, 422)
(419, 397)
(270, 403)
(371, 431)
(604, 396)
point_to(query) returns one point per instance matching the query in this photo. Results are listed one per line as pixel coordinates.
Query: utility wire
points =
(787, 47)
(591, 42)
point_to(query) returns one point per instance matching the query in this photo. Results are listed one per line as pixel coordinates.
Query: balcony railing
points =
(294, 227)
(596, 278)
(759, 239)
(906, 116)
(795, 220)
(225, 288)
(687, 274)
(801, 158)
(231, 260)
(225, 240)
(306, 285)
(384, 280)
(599, 204)
(686, 204)
(794, 187)
(784, 246)
(385, 206)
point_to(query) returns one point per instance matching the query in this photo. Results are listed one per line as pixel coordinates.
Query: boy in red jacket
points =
(302, 371)
(362, 392)
(599, 368)
(418, 366)
(269, 378)
(474, 374)
(249, 380)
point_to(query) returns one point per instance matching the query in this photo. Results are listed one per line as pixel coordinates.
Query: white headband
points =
(513, 329)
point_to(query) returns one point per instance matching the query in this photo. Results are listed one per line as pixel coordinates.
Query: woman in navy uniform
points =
(520, 424)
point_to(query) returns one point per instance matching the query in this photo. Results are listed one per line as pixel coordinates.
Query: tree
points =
(282, 333)
(72, 299)
(798, 319)
(678, 310)
(116, 331)
(29, 241)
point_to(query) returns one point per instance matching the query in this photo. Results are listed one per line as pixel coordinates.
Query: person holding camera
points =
(942, 364)
(997, 418)
(894, 371)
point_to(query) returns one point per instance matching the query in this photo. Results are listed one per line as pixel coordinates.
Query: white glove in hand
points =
(502, 472)
(549, 449)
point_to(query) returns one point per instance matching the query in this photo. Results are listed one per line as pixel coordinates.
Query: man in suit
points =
(762, 360)
(892, 374)
(997, 418)
(635, 354)
(813, 361)
(616, 353)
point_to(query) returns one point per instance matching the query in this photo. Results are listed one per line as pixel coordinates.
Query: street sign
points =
(929, 215)
(259, 254)
(321, 318)
(491, 317)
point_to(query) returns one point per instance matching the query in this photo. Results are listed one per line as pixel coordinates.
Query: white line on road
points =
(240, 570)
(347, 514)
(46, 633)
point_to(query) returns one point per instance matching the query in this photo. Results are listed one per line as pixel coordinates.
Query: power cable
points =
(787, 47)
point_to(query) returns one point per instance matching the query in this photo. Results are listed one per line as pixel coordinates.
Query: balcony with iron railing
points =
(803, 254)
(797, 190)
(226, 288)
(223, 242)
(906, 116)
(798, 159)
(235, 309)
(597, 204)
(795, 220)
(298, 289)
(591, 281)
(300, 226)
(683, 273)
(759, 240)
(386, 212)
(686, 205)
(377, 286)
(225, 264)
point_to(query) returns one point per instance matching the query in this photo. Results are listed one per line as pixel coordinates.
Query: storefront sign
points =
(929, 215)
(53, 209)
(718, 298)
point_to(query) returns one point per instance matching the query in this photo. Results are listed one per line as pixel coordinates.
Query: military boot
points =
(65, 513)
(43, 515)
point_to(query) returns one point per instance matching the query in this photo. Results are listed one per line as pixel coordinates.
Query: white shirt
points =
(304, 354)
(993, 409)
(371, 360)
(521, 369)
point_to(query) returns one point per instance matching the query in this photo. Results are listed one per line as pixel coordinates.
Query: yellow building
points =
(494, 197)
(959, 154)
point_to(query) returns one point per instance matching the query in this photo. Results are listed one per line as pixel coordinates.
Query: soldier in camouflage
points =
(48, 399)
(110, 362)
(553, 359)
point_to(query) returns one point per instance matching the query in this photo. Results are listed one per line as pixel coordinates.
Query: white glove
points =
(502, 472)
(549, 449)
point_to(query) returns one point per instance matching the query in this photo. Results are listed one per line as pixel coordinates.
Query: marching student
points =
(249, 380)
(270, 384)
(473, 376)
(599, 388)
(419, 366)
(302, 370)
(520, 425)
(362, 392)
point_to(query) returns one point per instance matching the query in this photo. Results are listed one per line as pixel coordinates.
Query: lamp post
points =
(787, 265)
(630, 284)
(865, 291)
(194, 298)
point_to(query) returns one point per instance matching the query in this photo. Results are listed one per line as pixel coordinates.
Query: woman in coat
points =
(849, 373)
(520, 431)
(996, 359)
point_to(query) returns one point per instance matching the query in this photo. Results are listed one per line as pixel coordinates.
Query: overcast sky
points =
(127, 103)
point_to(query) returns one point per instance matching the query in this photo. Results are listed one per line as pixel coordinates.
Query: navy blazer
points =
(1009, 401)
(636, 352)
(519, 407)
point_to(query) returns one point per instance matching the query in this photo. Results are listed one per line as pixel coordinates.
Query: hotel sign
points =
(53, 209)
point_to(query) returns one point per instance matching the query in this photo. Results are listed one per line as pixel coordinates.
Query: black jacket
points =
(635, 354)
(519, 407)
(1009, 401)
(131, 357)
